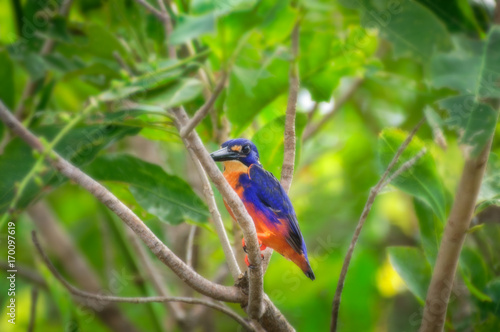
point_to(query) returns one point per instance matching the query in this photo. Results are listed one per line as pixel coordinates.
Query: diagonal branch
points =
(366, 210)
(312, 129)
(190, 277)
(203, 111)
(194, 142)
(106, 298)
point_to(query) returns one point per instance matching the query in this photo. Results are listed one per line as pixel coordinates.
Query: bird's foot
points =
(247, 262)
(261, 245)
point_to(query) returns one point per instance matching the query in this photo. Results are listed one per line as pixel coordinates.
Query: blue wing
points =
(275, 200)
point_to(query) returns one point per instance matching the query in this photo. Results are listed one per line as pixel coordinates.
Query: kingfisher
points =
(265, 200)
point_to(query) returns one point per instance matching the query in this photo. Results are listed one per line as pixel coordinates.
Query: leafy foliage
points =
(434, 58)
(163, 195)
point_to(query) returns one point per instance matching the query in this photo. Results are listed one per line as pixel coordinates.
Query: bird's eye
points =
(246, 149)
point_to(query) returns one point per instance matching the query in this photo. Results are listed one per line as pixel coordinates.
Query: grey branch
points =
(366, 210)
(164, 254)
(455, 231)
(106, 298)
(203, 111)
(291, 108)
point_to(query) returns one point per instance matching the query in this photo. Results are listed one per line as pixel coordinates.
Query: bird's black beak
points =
(224, 154)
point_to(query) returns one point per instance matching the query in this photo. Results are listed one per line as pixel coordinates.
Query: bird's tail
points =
(308, 271)
(304, 265)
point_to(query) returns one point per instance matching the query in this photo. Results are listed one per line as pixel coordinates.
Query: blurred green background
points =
(380, 66)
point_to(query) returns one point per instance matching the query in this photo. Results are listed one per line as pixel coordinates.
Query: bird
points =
(265, 200)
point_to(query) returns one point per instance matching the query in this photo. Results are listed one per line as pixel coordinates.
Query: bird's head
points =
(238, 149)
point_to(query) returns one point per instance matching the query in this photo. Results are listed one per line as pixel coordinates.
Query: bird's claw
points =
(261, 245)
(247, 262)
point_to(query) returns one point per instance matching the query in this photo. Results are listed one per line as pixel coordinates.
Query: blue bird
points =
(265, 200)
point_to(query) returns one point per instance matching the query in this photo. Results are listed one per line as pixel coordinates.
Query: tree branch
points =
(154, 276)
(34, 298)
(312, 129)
(234, 202)
(76, 265)
(190, 245)
(291, 108)
(455, 231)
(203, 111)
(190, 277)
(106, 298)
(151, 9)
(216, 217)
(167, 28)
(366, 210)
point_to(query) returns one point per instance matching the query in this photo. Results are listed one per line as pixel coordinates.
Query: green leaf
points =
(413, 29)
(493, 291)
(413, 268)
(270, 142)
(431, 230)
(477, 75)
(141, 85)
(178, 94)
(166, 196)
(458, 69)
(474, 121)
(190, 27)
(490, 186)
(474, 272)
(79, 146)
(422, 180)
(250, 89)
(489, 80)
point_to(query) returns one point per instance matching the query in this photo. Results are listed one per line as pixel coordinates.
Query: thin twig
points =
(312, 129)
(216, 217)
(190, 277)
(167, 28)
(255, 306)
(290, 137)
(34, 298)
(39, 162)
(154, 276)
(26, 273)
(368, 205)
(203, 111)
(106, 298)
(407, 165)
(76, 265)
(151, 9)
(122, 63)
(189, 246)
